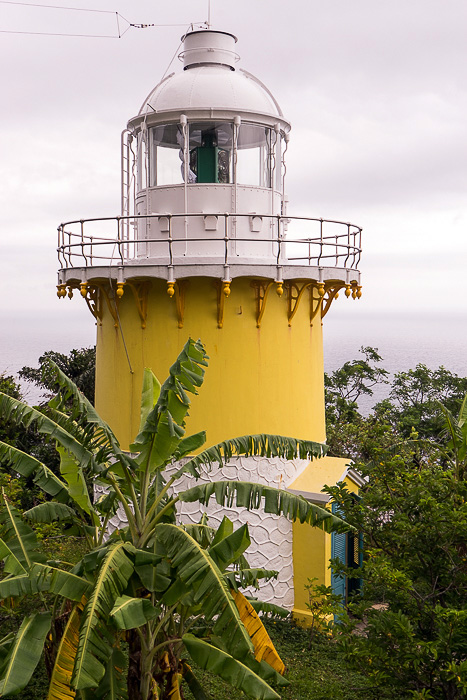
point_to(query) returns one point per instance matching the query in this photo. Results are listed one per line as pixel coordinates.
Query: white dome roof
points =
(211, 86)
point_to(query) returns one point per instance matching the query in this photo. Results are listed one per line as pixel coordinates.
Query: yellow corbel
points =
(316, 300)
(295, 294)
(140, 293)
(262, 290)
(331, 294)
(279, 288)
(92, 300)
(70, 292)
(83, 289)
(171, 289)
(106, 291)
(348, 291)
(61, 290)
(119, 291)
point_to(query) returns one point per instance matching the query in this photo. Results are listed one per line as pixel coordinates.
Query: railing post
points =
(119, 238)
(82, 243)
(60, 244)
(226, 239)
(320, 242)
(169, 239)
(279, 239)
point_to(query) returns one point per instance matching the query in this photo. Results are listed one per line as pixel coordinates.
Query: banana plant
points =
(125, 620)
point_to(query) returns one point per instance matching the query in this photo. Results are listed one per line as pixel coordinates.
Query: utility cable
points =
(118, 16)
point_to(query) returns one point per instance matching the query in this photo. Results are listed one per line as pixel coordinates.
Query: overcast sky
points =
(376, 92)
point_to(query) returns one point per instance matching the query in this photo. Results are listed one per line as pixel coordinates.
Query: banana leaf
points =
(249, 495)
(197, 571)
(27, 465)
(5, 646)
(225, 528)
(229, 549)
(11, 565)
(95, 646)
(129, 613)
(175, 682)
(83, 412)
(18, 536)
(50, 511)
(203, 534)
(149, 394)
(264, 647)
(245, 578)
(269, 609)
(72, 472)
(18, 586)
(263, 445)
(190, 444)
(165, 424)
(24, 654)
(192, 682)
(60, 582)
(113, 686)
(212, 659)
(60, 681)
(21, 413)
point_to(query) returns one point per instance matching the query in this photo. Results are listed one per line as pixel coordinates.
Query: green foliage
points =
(9, 431)
(315, 673)
(156, 588)
(416, 395)
(346, 385)
(78, 365)
(411, 409)
(412, 617)
(323, 606)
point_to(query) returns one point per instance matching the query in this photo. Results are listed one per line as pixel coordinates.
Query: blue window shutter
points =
(338, 551)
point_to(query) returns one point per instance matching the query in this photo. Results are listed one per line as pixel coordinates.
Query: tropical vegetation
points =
(408, 632)
(125, 620)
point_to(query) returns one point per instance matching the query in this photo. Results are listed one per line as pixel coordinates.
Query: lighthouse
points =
(205, 247)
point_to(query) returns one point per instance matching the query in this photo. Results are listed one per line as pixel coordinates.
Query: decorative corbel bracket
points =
(262, 290)
(107, 292)
(92, 300)
(140, 294)
(331, 294)
(295, 293)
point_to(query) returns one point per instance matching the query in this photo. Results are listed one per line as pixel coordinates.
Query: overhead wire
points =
(119, 35)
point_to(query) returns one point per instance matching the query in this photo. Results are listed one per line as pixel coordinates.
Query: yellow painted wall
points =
(258, 380)
(311, 546)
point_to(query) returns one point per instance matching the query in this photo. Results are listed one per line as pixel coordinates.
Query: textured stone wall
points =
(271, 535)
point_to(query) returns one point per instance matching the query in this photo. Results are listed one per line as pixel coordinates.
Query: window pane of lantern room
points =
(167, 153)
(169, 166)
(253, 156)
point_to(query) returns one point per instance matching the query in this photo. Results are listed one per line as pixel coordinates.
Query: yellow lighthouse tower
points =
(205, 247)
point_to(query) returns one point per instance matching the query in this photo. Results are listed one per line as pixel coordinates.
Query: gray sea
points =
(402, 340)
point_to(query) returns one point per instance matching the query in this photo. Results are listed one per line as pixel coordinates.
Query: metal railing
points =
(107, 241)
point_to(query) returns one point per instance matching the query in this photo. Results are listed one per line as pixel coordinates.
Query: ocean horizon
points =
(403, 340)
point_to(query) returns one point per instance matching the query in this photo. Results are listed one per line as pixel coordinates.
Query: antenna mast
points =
(209, 14)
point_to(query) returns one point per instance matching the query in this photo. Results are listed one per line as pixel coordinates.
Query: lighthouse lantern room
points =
(204, 247)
